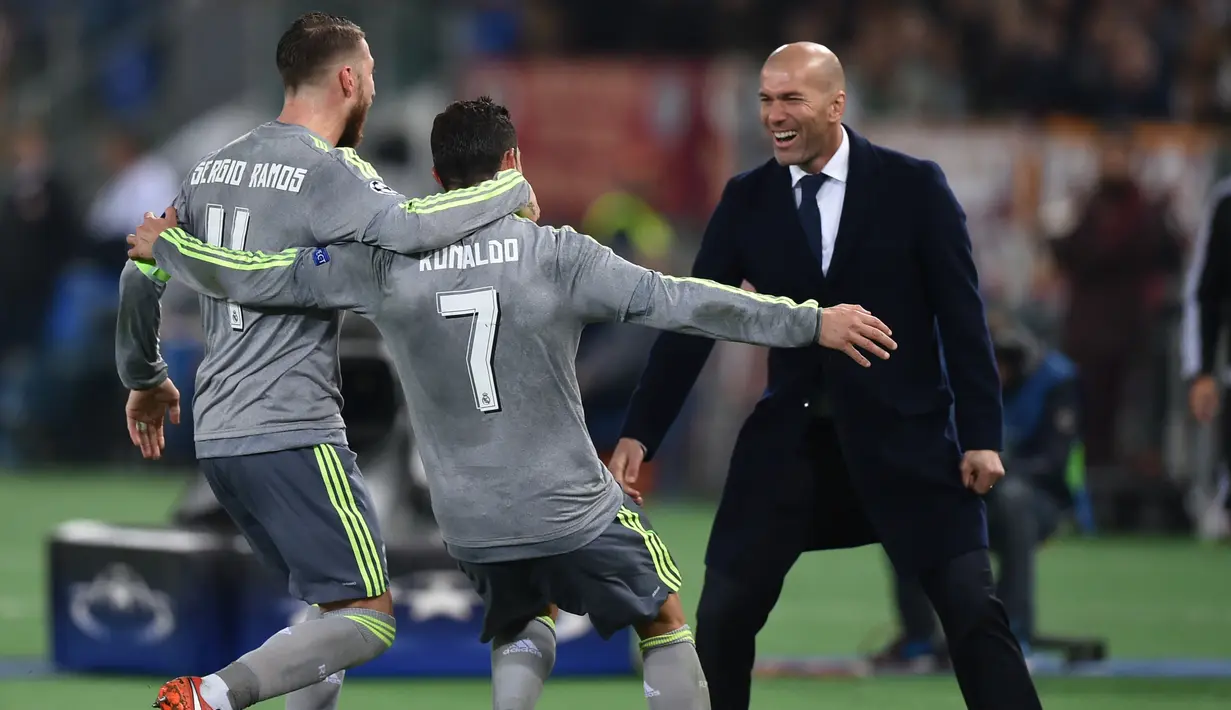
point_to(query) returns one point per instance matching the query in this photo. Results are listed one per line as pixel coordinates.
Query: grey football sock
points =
(521, 664)
(307, 654)
(673, 676)
(324, 695)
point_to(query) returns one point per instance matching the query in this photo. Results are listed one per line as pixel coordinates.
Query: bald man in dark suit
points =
(841, 452)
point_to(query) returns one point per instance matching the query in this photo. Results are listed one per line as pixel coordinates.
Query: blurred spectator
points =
(41, 235)
(6, 56)
(494, 27)
(41, 227)
(1122, 72)
(1116, 260)
(140, 182)
(128, 72)
(1206, 82)
(929, 58)
(926, 82)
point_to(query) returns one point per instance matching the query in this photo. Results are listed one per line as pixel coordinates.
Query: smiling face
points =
(802, 102)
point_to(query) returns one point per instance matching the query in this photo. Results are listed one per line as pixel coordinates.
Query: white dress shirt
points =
(830, 197)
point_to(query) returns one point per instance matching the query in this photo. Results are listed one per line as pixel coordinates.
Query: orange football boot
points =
(183, 693)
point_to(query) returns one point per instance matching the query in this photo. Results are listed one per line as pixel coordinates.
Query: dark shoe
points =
(913, 657)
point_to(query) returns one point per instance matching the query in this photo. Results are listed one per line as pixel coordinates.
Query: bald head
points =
(814, 63)
(803, 97)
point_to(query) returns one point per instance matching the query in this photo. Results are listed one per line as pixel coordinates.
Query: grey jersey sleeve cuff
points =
(137, 357)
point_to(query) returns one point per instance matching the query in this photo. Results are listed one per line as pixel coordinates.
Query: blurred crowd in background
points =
(1082, 137)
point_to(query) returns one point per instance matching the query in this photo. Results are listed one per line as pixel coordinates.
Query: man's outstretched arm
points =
(605, 287)
(345, 276)
(349, 202)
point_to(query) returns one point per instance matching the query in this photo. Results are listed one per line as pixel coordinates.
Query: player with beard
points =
(268, 410)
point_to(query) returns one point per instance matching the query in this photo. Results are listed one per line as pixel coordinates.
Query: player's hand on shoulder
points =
(147, 411)
(141, 243)
(853, 328)
(531, 210)
(625, 465)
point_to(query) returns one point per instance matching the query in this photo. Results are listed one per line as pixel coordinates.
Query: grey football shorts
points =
(307, 513)
(619, 579)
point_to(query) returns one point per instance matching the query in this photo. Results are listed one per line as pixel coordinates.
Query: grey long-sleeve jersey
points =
(484, 336)
(270, 380)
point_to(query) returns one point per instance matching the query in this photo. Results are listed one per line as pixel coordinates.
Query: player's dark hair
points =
(311, 43)
(469, 138)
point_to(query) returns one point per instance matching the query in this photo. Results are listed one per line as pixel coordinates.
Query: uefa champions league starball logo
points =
(119, 604)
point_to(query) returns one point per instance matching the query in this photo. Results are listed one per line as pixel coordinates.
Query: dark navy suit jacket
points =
(903, 252)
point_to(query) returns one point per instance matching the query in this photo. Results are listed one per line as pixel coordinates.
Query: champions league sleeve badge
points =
(380, 188)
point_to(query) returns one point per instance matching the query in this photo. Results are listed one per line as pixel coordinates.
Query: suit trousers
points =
(736, 601)
(1019, 519)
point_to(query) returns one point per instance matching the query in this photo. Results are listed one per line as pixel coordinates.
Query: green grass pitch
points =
(1150, 598)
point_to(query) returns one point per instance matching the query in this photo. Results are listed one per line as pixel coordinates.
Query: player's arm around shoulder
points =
(305, 277)
(350, 202)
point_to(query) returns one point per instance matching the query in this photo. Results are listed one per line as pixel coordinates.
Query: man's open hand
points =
(142, 243)
(147, 410)
(851, 329)
(981, 470)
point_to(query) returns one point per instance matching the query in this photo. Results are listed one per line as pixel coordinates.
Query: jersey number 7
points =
(215, 222)
(483, 306)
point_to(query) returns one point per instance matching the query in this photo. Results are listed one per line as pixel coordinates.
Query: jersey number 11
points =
(215, 221)
(483, 306)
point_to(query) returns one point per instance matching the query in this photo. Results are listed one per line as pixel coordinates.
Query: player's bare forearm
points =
(436, 221)
(706, 308)
(138, 360)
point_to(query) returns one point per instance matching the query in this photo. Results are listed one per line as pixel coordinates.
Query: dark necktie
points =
(810, 213)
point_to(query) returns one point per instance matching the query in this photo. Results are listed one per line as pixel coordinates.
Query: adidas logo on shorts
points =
(650, 692)
(523, 646)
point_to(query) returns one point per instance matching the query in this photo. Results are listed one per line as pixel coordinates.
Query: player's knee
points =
(539, 632)
(670, 619)
(382, 604)
(521, 627)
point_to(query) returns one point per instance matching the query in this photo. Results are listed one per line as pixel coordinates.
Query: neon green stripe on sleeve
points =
(194, 248)
(505, 181)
